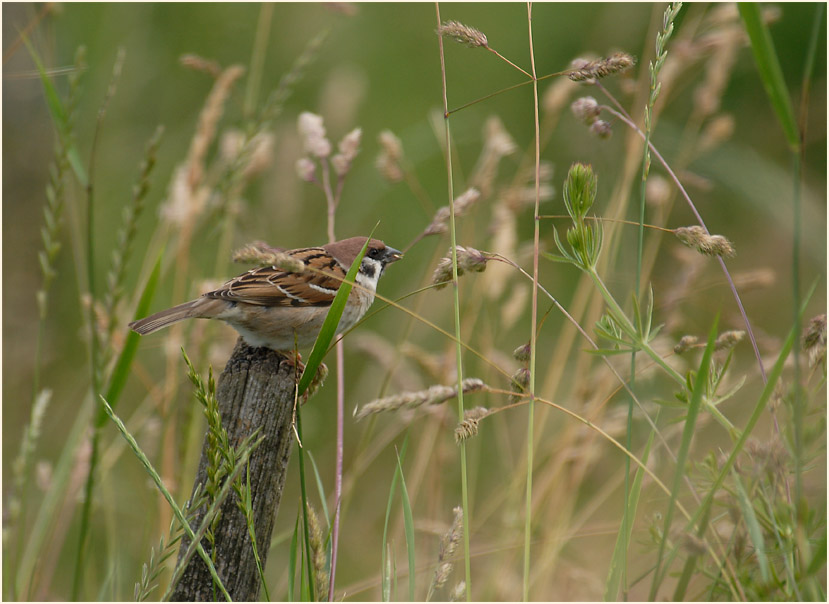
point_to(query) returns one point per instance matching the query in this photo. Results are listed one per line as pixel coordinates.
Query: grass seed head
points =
(710, 245)
(463, 34)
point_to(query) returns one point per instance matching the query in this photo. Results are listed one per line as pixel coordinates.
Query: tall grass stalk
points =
(654, 67)
(456, 308)
(95, 354)
(533, 315)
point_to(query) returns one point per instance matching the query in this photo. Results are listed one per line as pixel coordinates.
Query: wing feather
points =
(270, 286)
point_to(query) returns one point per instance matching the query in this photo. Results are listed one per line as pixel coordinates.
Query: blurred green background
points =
(378, 69)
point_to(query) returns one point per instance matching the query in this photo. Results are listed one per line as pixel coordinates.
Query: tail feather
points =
(162, 319)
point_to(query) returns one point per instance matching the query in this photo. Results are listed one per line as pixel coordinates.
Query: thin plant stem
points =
(622, 115)
(332, 201)
(534, 316)
(95, 369)
(457, 316)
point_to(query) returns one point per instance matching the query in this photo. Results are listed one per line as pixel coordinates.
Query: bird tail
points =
(162, 319)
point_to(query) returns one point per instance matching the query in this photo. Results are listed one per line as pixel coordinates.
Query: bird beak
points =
(393, 255)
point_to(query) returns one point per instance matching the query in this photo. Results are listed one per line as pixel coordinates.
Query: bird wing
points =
(271, 286)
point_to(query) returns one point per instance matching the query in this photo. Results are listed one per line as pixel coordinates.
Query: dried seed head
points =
(466, 430)
(586, 109)
(306, 169)
(349, 146)
(522, 353)
(469, 426)
(318, 552)
(521, 378)
(391, 144)
(448, 544)
(469, 259)
(583, 70)
(264, 255)
(729, 339)
(685, 343)
(814, 340)
(409, 400)
(463, 34)
(312, 130)
(459, 593)
(388, 162)
(710, 245)
(462, 203)
(601, 129)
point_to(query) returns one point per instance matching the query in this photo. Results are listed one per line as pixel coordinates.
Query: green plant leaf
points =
(332, 320)
(59, 116)
(754, 530)
(384, 574)
(167, 496)
(694, 405)
(614, 578)
(770, 71)
(122, 366)
(408, 527)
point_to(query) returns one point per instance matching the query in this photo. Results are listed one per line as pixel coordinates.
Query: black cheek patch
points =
(368, 270)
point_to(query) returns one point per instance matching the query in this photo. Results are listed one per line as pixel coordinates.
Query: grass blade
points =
(122, 366)
(700, 517)
(166, 494)
(408, 525)
(59, 116)
(687, 434)
(332, 320)
(385, 564)
(320, 489)
(770, 71)
(615, 576)
(754, 530)
(292, 560)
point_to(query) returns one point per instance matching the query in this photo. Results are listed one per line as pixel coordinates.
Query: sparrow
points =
(281, 310)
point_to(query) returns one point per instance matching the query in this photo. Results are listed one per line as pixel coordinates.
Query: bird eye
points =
(373, 253)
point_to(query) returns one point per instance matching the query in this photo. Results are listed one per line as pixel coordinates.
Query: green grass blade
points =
(770, 71)
(122, 366)
(59, 116)
(306, 588)
(685, 446)
(292, 559)
(320, 489)
(166, 494)
(615, 576)
(755, 532)
(385, 564)
(408, 526)
(332, 320)
(700, 517)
